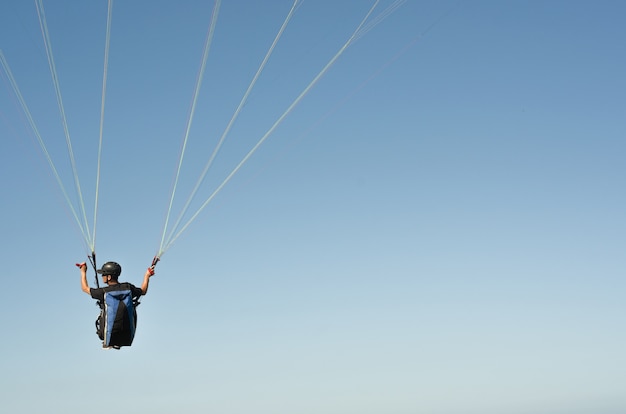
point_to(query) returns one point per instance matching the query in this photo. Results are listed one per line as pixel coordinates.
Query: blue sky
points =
(438, 226)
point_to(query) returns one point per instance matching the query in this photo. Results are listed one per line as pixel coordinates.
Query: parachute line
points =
(378, 19)
(236, 114)
(55, 80)
(107, 43)
(274, 126)
(207, 46)
(169, 236)
(33, 126)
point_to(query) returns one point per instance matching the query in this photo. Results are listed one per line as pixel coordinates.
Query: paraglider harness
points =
(117, 321)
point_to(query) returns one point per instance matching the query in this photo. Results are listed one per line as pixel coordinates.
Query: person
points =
(118, 317)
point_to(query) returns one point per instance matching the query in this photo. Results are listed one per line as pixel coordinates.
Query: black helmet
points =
(110, 268)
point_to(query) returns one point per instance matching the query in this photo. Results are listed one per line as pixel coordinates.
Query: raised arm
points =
(146, 280)
(83, 277)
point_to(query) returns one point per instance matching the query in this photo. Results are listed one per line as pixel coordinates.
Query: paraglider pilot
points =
(118, 317)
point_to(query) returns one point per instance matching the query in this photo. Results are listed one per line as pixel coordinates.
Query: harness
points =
(117, 322)
(114, 326)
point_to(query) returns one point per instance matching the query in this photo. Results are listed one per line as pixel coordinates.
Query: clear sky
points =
(438, 227)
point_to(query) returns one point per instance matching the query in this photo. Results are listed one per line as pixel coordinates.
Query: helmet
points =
(110, 268)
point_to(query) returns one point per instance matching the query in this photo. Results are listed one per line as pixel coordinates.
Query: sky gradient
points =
(438, 226)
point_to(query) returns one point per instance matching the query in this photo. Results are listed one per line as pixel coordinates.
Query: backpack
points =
(118, 319)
